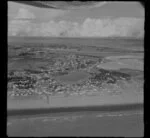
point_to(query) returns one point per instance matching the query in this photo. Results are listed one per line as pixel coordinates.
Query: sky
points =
(105, 19)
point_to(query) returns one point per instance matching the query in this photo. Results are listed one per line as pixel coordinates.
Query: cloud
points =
(53, 13)
(112, 27)
(104, 27)
(15, 27)
(24, 14)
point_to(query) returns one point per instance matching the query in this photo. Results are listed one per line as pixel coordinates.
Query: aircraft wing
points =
(64, 4)
(61, 4)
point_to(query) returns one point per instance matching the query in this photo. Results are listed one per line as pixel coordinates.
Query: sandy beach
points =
(74, 101)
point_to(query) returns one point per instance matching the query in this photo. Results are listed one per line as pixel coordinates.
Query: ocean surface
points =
(124, 124)
(98, 42)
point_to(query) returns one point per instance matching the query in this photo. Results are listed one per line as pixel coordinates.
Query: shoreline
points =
(57, 104)
(103, 109)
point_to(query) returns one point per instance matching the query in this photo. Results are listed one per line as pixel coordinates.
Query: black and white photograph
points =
(75, 68)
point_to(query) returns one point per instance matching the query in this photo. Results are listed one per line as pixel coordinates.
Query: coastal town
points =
(51, 73)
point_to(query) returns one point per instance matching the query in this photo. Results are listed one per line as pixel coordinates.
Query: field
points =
(45, 67)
